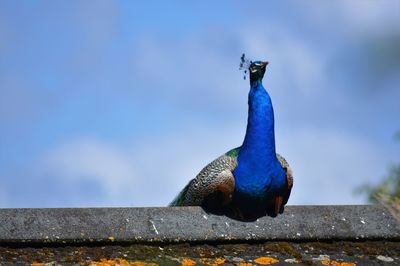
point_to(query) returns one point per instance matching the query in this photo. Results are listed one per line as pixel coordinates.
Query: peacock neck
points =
(259, 142)
(257, 163)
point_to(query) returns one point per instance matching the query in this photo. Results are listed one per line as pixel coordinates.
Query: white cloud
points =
(350, 17)
(328, 165)
(145, 173)
(368, 15)
(90, 159)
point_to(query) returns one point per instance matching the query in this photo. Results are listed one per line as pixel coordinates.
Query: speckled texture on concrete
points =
(276, 253)
(192, 224)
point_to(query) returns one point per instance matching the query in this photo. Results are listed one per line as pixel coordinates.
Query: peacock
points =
(252, 180)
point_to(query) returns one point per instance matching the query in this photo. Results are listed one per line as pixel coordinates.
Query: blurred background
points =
(121, 103)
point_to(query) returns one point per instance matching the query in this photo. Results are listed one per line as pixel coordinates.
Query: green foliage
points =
(397, 135)
(388, 188)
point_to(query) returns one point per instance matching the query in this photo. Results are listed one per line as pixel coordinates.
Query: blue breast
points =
(259, 173)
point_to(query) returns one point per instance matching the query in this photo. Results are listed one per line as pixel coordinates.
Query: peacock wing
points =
(214, 185)
(289, 176)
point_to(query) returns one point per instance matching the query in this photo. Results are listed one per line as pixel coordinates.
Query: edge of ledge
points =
(68, 226)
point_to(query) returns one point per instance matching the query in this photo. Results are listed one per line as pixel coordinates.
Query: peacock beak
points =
(265, 63)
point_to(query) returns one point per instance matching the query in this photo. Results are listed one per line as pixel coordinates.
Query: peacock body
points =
(251, 180)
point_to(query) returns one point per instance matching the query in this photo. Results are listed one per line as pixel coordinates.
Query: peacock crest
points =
(244, 64)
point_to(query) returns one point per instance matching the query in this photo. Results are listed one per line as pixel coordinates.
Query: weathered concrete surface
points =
(276, 253)
(192, 224)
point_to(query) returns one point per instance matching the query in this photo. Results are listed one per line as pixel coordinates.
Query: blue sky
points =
(121, 103)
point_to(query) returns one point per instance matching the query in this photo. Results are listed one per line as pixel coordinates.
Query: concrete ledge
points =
(192, 224)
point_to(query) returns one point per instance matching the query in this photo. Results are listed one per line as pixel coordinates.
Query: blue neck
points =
(258, 169)
(259, 142)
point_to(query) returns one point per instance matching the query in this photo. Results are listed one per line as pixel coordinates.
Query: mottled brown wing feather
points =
(289, 176)
(215, 177)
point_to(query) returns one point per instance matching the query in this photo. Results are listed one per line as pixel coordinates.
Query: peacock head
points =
(256, 69)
